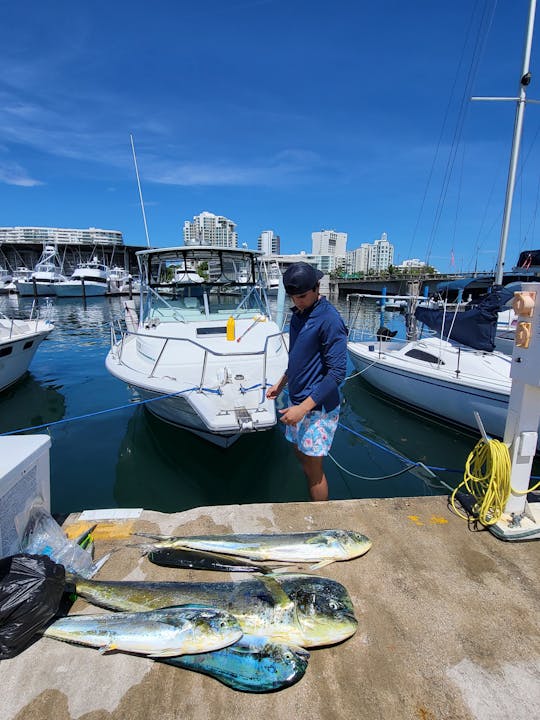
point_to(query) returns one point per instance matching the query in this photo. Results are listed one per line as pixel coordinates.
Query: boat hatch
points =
(5, 351)
(211, 331)
(426, 357)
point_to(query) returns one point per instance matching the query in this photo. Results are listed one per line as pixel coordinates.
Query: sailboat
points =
(452, 376)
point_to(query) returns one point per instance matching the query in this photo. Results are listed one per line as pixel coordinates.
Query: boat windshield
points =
(202, 284)
(204, 301)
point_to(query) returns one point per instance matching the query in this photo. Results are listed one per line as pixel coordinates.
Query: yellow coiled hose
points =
(487, 478)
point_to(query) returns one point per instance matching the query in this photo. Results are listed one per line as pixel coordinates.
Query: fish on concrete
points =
(321, 547)
(253, 664)
(294, 609)
(166, 632)
(202, 560)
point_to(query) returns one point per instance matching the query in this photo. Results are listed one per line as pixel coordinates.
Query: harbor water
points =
(107, 451)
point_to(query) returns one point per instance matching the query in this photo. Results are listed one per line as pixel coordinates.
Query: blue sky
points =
(291, 115)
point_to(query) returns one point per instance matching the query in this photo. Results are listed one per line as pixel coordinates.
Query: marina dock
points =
(447, 625)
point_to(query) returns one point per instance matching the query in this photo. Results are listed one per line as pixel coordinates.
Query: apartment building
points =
(210, 229)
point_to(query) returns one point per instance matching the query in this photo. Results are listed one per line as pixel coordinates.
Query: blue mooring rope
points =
(366, 439)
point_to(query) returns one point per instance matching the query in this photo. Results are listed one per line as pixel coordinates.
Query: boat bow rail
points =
(147, 347)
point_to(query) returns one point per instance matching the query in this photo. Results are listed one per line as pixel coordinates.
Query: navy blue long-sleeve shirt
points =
(317, 355)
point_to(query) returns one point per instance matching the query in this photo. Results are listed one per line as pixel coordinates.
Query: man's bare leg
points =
(313, 470)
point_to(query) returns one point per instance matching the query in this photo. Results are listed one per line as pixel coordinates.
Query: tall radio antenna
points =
(140, 191)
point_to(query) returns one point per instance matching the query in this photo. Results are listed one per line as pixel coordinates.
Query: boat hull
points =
(75, 289)
(441, 397)
(16, 356)
(28, 289)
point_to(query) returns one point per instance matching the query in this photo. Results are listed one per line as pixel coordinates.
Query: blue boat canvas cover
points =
(474, 327)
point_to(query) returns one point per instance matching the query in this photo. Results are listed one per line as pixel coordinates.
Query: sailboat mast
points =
(518, 128)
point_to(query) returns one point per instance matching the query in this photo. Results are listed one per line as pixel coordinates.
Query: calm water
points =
(128, 458)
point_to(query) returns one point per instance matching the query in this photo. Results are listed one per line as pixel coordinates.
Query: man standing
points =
(316, 369)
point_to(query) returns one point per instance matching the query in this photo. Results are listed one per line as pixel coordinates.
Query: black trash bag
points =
(31, 589)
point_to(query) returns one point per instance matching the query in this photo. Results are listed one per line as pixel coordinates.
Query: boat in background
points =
(6, 278)
(19, 340)
(20, 274)
(120, 281)
(271, 276)
(89, 279)
(204, 356)
(45, 276)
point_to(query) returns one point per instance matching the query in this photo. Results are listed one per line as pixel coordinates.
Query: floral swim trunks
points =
(313, 435)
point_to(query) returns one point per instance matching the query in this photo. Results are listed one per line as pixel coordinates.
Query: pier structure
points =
(446, 624)
(23, 246)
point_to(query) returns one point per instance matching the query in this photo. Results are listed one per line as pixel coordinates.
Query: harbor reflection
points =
(163, 468)
(30, 402)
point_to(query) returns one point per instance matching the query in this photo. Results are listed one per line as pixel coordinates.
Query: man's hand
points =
(292, 414)
(273, 392)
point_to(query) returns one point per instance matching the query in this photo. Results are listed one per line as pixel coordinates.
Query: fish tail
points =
(152, 536)
(144, 548)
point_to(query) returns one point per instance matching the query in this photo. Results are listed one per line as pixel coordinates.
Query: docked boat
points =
(204, 356)
(20, 274)
(271, 276)
(120, 281)
(19, 340)
(89, 279)
(45, 276)
(6, 279)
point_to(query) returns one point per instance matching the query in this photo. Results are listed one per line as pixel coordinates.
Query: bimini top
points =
(183, 249)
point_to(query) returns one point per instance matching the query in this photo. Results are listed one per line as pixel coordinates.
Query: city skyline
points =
(355, 119)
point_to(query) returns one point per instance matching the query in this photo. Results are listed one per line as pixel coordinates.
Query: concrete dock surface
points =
(448, 626)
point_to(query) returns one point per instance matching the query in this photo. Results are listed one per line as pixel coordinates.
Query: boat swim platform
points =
(447, 625)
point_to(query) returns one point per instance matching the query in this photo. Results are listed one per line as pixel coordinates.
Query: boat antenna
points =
(140, 191)
(525, 79)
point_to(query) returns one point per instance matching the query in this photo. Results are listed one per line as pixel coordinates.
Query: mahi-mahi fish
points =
(295, 609)
(157, 633)
(253, 664)
(321, 547)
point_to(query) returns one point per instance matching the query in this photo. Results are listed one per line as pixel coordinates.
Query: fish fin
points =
(279, 595)
(107, 648)
(322, 564)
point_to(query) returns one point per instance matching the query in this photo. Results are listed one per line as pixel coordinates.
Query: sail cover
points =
(474, 327)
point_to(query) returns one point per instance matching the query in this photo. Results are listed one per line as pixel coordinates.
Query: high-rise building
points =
(210, 229)
(329, 242)
(382, 254)
(377, 256)
(358, 260)
(269, 243)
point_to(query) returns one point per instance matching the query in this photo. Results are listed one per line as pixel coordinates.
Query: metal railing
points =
(118, 344)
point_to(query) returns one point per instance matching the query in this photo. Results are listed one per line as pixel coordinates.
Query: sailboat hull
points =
(441, 390)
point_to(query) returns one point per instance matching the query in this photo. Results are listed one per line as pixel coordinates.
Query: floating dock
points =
(448, 625)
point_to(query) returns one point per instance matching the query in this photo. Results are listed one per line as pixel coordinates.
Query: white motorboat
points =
(204, 356)
(89, 279)
(45, 276)
(19, 340)
(20, 274)
(120, 281)
(271, 276)
(458, 373)
(6, 278)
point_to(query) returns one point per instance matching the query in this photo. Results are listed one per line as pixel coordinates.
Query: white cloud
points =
(14, 174)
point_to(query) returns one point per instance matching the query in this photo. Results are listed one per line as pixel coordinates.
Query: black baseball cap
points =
(300, 277)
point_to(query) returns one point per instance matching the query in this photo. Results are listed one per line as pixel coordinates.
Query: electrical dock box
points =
(24, 481)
